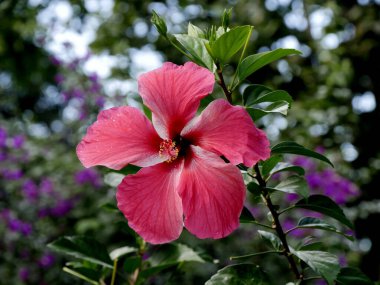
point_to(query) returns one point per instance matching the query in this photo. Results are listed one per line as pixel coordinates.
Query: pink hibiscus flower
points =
(183, 173)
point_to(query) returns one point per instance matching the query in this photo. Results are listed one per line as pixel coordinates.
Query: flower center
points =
(169, 150)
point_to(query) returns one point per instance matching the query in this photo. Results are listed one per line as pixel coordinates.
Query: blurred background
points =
(63, 61)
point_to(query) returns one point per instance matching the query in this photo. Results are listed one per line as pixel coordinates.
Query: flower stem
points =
(276, 223)
(222, 83)
(114, 271)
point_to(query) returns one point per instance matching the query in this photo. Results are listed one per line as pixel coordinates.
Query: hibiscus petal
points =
(212, 193)
(173, 94)
(150, 202)
(228, 130)
(120, 136)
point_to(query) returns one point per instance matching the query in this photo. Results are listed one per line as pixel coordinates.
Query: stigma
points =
(169, 150)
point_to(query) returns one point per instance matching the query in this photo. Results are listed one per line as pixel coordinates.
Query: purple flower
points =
(99, 101)
(3, 155)
(55, 60)
(93, 77)
(95, 87)
(76, 93)
(30, 190)
(12, 174)
(43, 212)
(59, 78)
(46, 186)
(16, 225)
(305, 162)
(18, 141)
(88, 176)
(46, 261)
(62, 208)
(3, 137)
(23, 274)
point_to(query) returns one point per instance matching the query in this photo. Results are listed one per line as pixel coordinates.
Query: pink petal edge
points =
(120, 136)
(173, 93)
(150, 202)
(228, 130)
(212, 192)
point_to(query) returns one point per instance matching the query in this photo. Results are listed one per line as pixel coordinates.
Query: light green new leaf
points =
(239, 274)
(284, 166)
(324, 263)
(121, 251)
(276, 107)
(229, 43)
(256, 61)
(293, 184)
(197, 49)
(194, 31)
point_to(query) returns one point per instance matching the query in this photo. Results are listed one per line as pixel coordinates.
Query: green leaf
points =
(226, 18)
(110, 207)
(353, 276)
(309, 222)
(324, 205)
(256, 61)
(230, 43)
(129, 169)
(169, 255)
(197, 49)
(159, 23)
(121, 251)
(269, 164)
(132, 263)
(85, 248)
(194, 31)
(87, 274)
(246, 216)
(254, 188)
(293, 184)
(324, 263)
(276, 107)
(271, 239)
(256, 94)
(284, 166)
(239, 274)
(295, 148)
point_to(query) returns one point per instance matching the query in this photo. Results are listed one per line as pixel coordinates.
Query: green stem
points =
(276, 223)
(222, 83)
(261, 225)
(255, 254)
(114, 271)
(241, 58)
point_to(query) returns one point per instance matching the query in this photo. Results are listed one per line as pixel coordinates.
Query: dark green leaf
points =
(254, 62)
(129, 169)
(323, 263)
(239, 274)
(269, 164)
(121, 251)
(197, 49)
(132, 263)
(284, 166)
(312, 246)
(226, 18)
(276, 107)
(85, 248)
(293, 184)
(256, 94)
(271, 239)
(246, 216)
(353, 276)
(254, 188)
(295, 148)
(110, 207)
(169, 255)
(230, 43)
(309, 222)
(324, 205)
